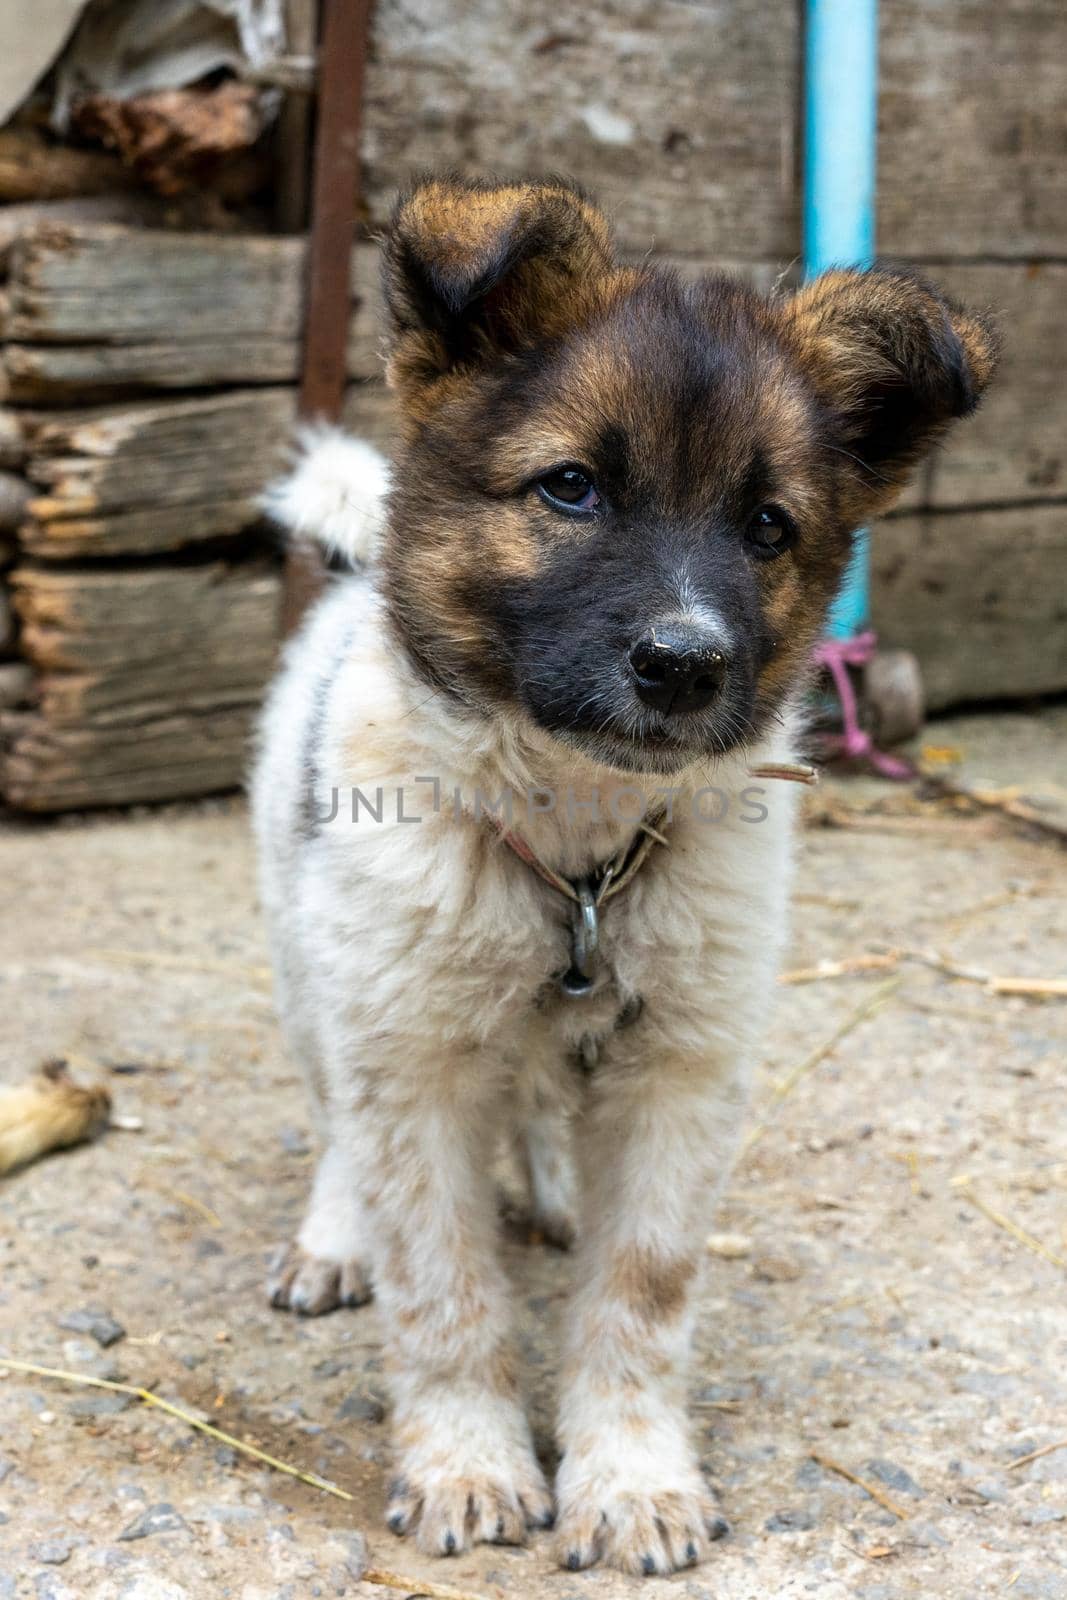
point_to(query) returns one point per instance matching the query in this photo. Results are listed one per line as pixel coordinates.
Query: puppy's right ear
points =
(476, 270)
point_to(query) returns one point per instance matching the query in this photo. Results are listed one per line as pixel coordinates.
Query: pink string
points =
(837, 655)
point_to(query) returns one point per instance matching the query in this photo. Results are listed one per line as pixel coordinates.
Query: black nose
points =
(680, 668)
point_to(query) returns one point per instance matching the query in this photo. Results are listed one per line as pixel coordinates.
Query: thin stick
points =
(1040, 987)
(789, 771)
(842, 969)
(150, 1399)
(416, 1588)
(861, 1483)
(1035, 1455)
(1009, 1226)
(866, 1008)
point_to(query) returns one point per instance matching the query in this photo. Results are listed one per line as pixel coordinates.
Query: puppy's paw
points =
(646, 1533)
(312, 1285)
(495, 1503)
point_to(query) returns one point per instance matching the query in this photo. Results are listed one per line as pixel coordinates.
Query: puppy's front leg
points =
(465, 1468)
(659, 1136)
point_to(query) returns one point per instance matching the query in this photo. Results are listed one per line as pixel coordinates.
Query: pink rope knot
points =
(837, 655)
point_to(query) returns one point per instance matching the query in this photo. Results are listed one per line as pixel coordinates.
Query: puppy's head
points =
(625, 502)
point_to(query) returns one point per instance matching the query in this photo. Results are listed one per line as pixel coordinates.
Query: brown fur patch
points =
(653, 1286)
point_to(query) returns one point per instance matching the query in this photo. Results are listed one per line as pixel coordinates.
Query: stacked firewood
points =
(149, 394)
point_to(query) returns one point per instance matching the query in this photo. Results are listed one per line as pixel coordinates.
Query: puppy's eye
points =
(770, 531)
(568, 489)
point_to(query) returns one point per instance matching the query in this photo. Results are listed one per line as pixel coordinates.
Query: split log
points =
(175, 139)
(15, 495)
(8, 628)
(173, 758)
(144, 478)
(118, 285)
(12, 441)
(34, 167)
(980, 597)
(129, 209)
(96, 309)
(147, 681)
(16, 685)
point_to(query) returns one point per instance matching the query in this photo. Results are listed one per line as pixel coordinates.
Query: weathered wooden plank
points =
(97, 309)
(1015, 448)
(130, 285)
(133, 208)
(146, 680)
(980, 597)
(149, 477)
(46, 770)
(114, 619)
(679, 116)
(973, 128)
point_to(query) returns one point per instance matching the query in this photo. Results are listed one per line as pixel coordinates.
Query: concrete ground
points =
(873, 1310)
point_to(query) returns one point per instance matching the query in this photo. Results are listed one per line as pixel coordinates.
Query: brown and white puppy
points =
(620, 509)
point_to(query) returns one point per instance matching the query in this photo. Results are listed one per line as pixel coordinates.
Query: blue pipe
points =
(840, 131)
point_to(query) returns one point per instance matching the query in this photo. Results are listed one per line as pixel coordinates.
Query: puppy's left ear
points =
(894, 362)
(477, 270)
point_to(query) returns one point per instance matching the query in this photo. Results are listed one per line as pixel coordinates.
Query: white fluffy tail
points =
(335, 494)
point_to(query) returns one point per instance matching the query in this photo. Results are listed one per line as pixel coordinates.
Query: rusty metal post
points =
(344, 32)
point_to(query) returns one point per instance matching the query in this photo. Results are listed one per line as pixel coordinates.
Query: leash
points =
(587, 894)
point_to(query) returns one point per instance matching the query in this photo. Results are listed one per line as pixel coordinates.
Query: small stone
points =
(728, 1246)
(6, 1466)
(100, 1405)
(147, 1586)
(1038, 1516)
(100, 1325)
(789, 1522)
(161, 1518)
(225, 1455)
(777, 1269)
(362, 1408)
(293, 1141)
(894, 1477)
(356, 1557)
(52, 1552)
(49, 1586)
(328, 1369)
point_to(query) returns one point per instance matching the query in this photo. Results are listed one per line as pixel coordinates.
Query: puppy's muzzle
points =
(680, 667)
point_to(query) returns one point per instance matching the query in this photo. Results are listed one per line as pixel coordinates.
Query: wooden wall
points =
(147, 379)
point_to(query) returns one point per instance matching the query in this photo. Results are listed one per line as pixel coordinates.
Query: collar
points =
(587, 894)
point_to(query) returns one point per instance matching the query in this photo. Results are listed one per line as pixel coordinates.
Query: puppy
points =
(520, 879)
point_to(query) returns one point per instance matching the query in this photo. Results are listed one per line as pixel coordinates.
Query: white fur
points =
(416, 972)
(334, 495)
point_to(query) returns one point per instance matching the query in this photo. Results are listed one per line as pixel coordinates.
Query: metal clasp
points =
(577, 981)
